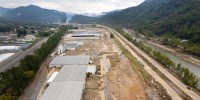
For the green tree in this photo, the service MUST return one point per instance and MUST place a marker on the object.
(111, 35)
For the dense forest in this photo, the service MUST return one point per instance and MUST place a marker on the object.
(181, 18)
(14, 81)
(32, 14)
(83, 19)
(173, 20)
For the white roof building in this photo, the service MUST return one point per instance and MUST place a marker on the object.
(86, 35)
(5, 56)
(72, 73)
(69, 60)
(66, 90)
(68, 84)
(10, 47)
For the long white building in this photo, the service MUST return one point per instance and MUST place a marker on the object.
(68, 84)
(59, 61)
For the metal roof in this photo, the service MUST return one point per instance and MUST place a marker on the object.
(95, 34)
(68, 84)
(67, 90)
(70, 60)
(72, 73)
(85, 38)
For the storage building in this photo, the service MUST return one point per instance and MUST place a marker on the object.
(59, 61)
(68, 84)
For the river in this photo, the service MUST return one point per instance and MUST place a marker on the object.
(193, 68)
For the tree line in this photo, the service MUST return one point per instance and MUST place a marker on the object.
(14, 81)
(186, 46)
(5, 28)
(184, 73)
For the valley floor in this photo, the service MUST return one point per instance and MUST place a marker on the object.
(121, 81)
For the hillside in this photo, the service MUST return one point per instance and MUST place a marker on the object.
(4, 10)
(35, 14)
(180, 18)
(83, 19)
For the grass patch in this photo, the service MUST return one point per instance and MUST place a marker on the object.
(134, 63)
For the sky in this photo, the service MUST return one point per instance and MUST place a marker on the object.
(74, 6)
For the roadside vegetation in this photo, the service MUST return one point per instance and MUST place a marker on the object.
(14, 81)
(186, 46)
(187, 77)
(134, 62)
(157, 18)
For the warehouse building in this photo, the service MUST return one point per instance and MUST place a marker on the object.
(81, 35)
(10, 47)
(59, 61)
(72, 73)
(68, 84)
(70, 46)
(70, 90)
(86, 34)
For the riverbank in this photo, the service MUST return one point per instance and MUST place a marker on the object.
(178, 53)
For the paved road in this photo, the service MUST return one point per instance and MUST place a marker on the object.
(13, 61)
(157, 78)
(178, 83)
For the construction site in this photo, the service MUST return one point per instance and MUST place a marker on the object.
(91, 66)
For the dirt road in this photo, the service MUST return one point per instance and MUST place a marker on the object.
(178, 83)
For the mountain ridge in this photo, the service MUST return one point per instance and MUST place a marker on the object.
(179, 18)
(4, 10)
(35, 14)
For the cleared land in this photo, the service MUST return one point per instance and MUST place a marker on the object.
(125, 80)
(170, 91)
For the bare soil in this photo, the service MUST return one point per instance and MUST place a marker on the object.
(124, 83)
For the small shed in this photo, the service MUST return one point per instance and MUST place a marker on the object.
(59, 61)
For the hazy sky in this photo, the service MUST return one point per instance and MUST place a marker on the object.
(75, 6)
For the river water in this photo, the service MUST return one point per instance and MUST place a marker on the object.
(193, 68)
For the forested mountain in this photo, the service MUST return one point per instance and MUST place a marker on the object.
(4, 10)
(177, 17)
(35, 14)
(180, 18)
(83, 19)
